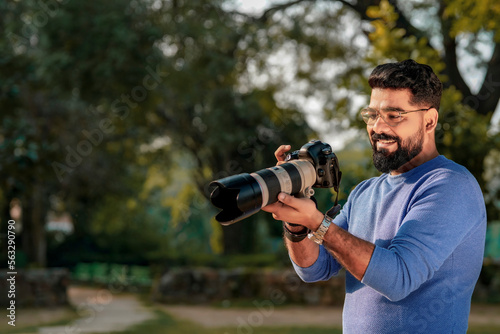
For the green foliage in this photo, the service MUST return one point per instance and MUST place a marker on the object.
(474, 16)
(60, 138)
(462, 134)
(393, 43)
(491, 176)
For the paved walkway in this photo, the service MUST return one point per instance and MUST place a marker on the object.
(101, 311)
(266, 315)
(260, 315)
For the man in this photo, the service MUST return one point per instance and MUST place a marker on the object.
(412, 239)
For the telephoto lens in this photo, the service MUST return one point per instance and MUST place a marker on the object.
(240, 196)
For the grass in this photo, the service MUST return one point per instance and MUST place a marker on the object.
(30, 320)
(33, 329)
(484, 330)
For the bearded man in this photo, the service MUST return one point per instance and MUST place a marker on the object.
(412, 239)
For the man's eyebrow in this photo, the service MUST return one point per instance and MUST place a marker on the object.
(392, 109)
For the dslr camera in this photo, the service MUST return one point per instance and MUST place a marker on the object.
(240, 196)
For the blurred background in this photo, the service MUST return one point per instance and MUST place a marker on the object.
(116, 115)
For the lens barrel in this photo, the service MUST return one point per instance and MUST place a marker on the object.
(242, 195)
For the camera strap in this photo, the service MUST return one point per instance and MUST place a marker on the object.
(334, 209)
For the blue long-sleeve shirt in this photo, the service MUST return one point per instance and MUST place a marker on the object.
(428, 226)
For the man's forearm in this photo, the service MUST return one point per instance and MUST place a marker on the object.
(303, 253)
(351, 252)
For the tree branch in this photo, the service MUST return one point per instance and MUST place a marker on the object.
(450, 56)
(489, 93)
(360, 7)
(403, 22)
(270, 11)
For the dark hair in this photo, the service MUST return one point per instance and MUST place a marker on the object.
(424, 85)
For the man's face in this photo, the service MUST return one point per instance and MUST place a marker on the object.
(394, 146)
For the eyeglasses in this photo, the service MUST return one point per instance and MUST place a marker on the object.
(392, 116)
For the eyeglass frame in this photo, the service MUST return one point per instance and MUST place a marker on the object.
(400, 111)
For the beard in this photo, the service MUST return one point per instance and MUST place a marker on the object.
(408, 149)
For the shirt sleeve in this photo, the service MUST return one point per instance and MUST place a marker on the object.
(439, 218)
(323, 269)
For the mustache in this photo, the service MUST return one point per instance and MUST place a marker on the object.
(382, 136)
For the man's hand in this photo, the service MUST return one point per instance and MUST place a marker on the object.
(301, 211)
(280, 153)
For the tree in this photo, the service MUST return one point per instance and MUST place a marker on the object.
(68, 87)
(214, 91)
(224, 127)
(335, 45)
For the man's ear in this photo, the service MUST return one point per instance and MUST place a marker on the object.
(431, 119)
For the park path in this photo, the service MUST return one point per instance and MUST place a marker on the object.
(263, 314)
(266, 315)
(100, 311)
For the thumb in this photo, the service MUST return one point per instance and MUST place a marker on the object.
(287, 199)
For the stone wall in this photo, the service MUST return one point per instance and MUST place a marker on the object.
(35, 287)
(207, 285)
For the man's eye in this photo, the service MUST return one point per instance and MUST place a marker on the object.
(392, 115)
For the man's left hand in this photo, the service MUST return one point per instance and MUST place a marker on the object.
(301, 211)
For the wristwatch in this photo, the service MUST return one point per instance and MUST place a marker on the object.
(318, 236)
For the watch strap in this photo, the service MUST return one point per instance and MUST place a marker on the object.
(319, 235)
(294, 236)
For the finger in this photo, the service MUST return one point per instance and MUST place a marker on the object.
(290, 200)
(280, 153)
(300, 211)
(272, 207)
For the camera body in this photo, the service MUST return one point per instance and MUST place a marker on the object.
(325, 163)
(239, 196)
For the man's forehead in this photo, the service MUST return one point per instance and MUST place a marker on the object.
(390, 98)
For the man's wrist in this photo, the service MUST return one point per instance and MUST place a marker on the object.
(297, 235)
(318, 235)
(295, 228)
(317, 220)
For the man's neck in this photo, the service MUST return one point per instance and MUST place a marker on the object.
(415, 162)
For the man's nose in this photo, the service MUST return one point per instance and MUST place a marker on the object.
(380, 125)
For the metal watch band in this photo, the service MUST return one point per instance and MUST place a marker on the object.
(318, 236)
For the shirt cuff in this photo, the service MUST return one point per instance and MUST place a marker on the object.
(320, 270)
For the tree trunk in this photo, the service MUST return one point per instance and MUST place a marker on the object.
(33, 234)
